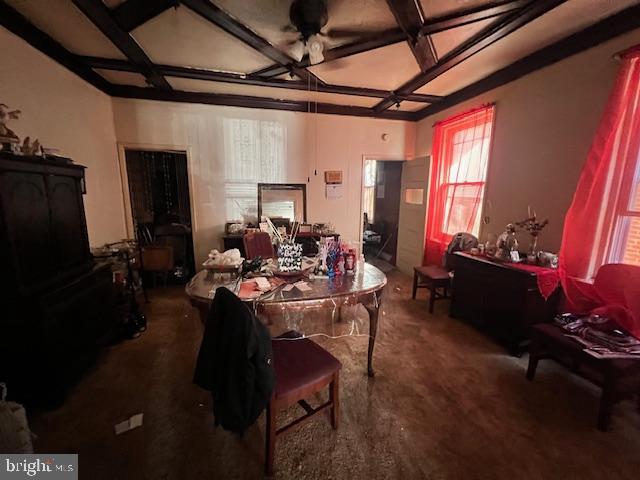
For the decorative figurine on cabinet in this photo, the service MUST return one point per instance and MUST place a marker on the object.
(508, 245)
(8, 138)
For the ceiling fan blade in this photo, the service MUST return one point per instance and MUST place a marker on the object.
(351, 33)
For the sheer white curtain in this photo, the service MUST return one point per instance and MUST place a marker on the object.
(254, 153)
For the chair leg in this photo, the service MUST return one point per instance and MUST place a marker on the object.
(334, 398)
(533, 361)
(270, 449)
(606, 403)
(432, 297)
(415, 284)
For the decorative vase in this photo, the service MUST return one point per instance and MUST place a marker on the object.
(289, 256)
(533, 247)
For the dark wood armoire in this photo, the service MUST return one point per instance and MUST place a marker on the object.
(57, 303)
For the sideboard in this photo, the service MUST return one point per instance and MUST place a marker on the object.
(500, 299)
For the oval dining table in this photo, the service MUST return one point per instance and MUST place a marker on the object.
(363, 288)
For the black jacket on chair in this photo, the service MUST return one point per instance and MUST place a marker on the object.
(235, 362)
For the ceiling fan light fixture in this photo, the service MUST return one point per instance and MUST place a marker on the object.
(315, 47)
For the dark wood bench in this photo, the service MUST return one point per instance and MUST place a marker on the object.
(436, 279)
(618, 378)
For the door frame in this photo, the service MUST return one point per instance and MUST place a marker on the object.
(124, 180)
(365, 158)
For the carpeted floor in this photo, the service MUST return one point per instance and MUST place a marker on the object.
(447, 403)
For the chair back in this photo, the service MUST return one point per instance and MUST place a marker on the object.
(258, 244)
(235, 362)
(157, 258)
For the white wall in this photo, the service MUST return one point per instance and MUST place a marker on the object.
(342, 143)
(544, 125)
(65, 112)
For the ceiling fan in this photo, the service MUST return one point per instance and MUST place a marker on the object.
(308, 18)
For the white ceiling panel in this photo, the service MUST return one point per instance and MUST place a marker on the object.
(268, 17)
(411, 106)
(182, 37)
(569, 17)
(446, 41)
(384, 68)
(122, 78)
(189, 85)
(61, 20)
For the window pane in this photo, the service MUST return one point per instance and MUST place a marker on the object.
(254, 151)
(469, 154)
(634, 201)
(370, 173)
(462, 209)
(632, 241)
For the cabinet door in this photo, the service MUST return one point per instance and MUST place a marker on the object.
(67, 222)
(26, 210)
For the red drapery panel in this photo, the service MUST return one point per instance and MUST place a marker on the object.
(592, 223)
(461, 146)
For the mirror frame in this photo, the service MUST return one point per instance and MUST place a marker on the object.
(283, 186)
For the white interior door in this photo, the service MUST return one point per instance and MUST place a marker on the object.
(413, 212)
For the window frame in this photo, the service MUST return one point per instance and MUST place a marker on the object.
(447, 134)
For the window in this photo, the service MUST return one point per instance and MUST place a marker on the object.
(254, 152)
(369, 190)
(459, 169)
(626, 236)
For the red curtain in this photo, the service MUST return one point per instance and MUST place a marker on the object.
(461, 146)
(603, 187)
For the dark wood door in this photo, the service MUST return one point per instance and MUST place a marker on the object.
(26, 209)
(68, 229)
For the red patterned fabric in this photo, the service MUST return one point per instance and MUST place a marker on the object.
(548, 278)
(590, 223)
(461, 146)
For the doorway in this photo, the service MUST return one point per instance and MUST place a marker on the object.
(160, 209)
(381, 211)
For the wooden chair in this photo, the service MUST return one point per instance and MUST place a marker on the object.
(302, 368)
(258, 244)
(436, 279)
(158, 260)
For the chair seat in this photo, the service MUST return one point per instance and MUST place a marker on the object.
(433, 272)
(299, 364)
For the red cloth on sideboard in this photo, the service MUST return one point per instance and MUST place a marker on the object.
(548, 278)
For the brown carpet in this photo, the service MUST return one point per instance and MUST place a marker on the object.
(447, 403)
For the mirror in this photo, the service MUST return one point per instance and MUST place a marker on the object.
(282, 201)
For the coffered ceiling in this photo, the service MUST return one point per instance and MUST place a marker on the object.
(400, 59)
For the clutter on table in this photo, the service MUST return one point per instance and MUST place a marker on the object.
(600, 336)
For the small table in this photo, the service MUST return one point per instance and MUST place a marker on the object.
(364, 288)
(617, 377)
